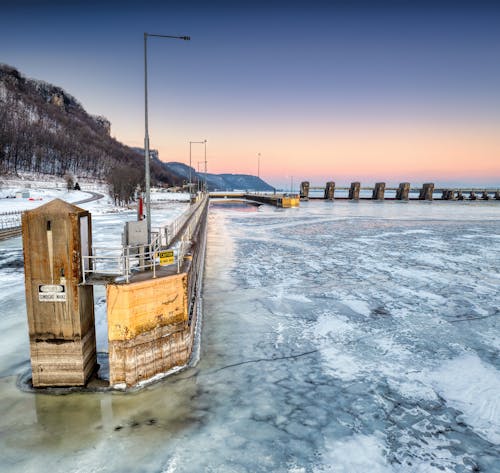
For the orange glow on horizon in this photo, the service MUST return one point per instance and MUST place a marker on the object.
(348, 152)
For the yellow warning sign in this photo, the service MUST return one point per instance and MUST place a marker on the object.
(166, 257)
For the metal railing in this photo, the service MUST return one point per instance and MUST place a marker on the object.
(10, 219)
(123, 261)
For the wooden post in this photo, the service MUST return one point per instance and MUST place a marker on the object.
(378, 191)
(60, 311)
(330, 190)
(426, 191)
(304, 190)
(354, 190)
(403, 191)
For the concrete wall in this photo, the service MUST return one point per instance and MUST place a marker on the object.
(151, 324)
(62, 334)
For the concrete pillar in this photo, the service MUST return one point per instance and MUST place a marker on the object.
(485, 196)
(304, 190)
(472, 196)
(497, 195)
(330, 190)
(448, 194)
(378, 191)
(403, 191)
(354, 190)
(60, 311)
(426, 191)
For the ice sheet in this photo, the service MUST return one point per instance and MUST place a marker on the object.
(337, 337)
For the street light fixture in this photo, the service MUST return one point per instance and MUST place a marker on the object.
(147, 175)
(190, 143)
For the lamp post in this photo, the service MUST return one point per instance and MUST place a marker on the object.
(199, 162)
(205, 165)
(258, 165)
(190, 143)
(147, 175)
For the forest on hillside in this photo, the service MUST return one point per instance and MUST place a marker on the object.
(45, 130)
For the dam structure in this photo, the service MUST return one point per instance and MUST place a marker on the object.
(153, 295)
(403, 192)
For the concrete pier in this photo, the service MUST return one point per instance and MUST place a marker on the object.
(448, 194)
(403, 191)
(426, 191)
(330, 190)
(378, 191)
(278, 200)
(304, 190)
(60, 311)
(354, 190)
(151, 323)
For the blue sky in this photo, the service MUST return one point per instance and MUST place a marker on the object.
(339, 90)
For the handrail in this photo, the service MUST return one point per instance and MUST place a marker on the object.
(124, 260)
(10, 219)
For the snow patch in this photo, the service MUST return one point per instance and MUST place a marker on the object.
(473, 387)
(356, 454)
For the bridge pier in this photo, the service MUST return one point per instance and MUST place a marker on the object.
(354, 190)
(497, 195)
(485, 196)
(472, 195)
(378, 191)
(304, 190)
(403, 192)
(426, 191)
(330, 190)
(460, 195)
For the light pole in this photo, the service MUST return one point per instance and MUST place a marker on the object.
(190, 143)
(258, 165)
(199, 162)
(147, 175)
(205, 165)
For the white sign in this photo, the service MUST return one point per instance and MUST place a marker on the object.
(52, 293)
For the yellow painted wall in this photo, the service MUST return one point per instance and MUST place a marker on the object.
(291, 202)
(139, 307)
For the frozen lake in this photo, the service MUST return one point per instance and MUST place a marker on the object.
(337, 337)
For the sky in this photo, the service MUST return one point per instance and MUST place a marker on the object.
(346, 91)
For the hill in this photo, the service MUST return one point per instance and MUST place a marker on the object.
(221, 182)
(45, 130)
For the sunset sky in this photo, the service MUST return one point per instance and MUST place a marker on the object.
(393, 90)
